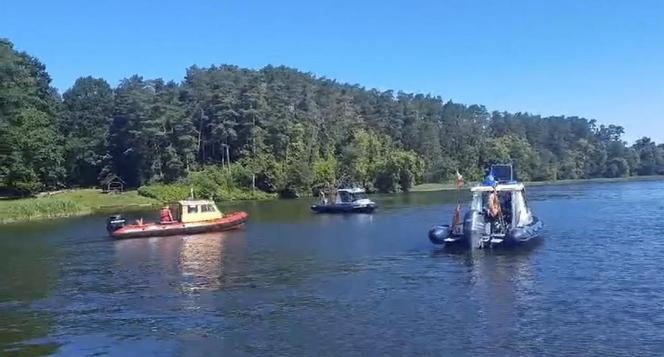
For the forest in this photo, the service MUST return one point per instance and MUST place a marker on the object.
(227, 130)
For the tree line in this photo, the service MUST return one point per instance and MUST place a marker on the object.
(280, 130)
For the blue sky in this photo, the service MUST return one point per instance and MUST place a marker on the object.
(598, 59)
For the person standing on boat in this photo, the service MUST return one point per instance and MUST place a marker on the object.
(493, 209)
(494, 204)
(165, 215)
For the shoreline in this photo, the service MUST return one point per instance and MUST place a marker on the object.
(82, 202)
(433, 187)
(81, 213)
(69, 203)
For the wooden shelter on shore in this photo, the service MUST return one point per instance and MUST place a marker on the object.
(112, 184)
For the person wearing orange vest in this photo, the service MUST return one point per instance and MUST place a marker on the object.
(494, 204)
(165, 215)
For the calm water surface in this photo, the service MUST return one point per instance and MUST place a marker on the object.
(294, 283)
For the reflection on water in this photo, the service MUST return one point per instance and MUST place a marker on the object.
(202, 261)
(500, 283)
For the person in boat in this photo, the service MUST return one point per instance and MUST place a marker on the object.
(494, 210)
(506, 207)
(334, 196)
(323, 198)
(494, 204)
(165, 216)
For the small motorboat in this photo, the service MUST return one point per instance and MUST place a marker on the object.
(188, 217)
(346, 200)
(498, 214)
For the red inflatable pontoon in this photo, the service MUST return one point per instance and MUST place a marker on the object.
(229, 221)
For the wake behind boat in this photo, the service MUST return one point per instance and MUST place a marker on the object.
(184, 217)
(345, 200)
(498, 214)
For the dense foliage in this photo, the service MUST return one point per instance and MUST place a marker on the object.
(213, 182)
(281, 130)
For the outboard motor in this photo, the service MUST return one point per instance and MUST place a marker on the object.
(115, 222)
(473, 227)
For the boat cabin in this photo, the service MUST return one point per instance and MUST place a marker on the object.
(498, 213)
(511, 196)
(348, 195)
(513, 205)
(195, 211)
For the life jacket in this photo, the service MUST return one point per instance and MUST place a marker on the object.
(494, 205)
(165, 215)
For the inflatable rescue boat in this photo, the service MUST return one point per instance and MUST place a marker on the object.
(498, 214)
(188, 217)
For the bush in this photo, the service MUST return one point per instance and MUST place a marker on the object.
(165, 193)
(214, 182)
(399, 172)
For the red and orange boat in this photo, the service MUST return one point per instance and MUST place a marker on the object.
(188, 217)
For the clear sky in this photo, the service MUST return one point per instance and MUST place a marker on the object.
(599, 59)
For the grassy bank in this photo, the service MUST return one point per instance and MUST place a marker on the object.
(68, 204)
(80, 202)
(428, 187)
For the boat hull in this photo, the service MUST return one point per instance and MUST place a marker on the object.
(228, 222)
(526, 233)
(475, 229)
(443, 234)
(344, 208)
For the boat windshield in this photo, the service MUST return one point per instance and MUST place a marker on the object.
(359, 196)
(345, 197)
(521, 210)
(477, 204)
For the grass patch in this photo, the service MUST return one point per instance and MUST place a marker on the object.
(39, 208)
(67, 204)
(97, 200)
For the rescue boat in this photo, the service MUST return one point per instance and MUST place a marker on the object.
(345, 200)
(188, 217)
(498, 215)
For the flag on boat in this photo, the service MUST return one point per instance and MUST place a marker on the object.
(459, 180)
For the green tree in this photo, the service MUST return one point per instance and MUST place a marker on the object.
(290, 131)
(31, 149)
(617, 167)
(172, 131)
(132, 140)
(88, 109)
(650, 157)
(513, 150)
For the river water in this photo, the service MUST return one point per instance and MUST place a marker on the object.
(295, 283)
